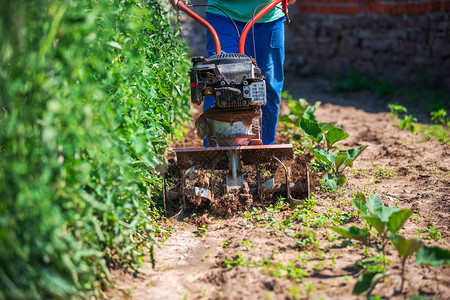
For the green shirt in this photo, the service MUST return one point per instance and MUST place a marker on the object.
(242, 11)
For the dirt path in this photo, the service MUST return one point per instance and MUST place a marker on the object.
(285, 253)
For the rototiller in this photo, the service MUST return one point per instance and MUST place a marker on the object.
(233, 124)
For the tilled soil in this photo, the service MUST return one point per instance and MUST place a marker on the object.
(265, 251)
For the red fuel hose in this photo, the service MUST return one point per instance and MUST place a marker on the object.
(251, 22)
(203, 22)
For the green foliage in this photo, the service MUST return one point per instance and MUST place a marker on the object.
(433, 256)
(355, 81)
(365, 282)
(324, 137)
(397, 110)
(388, 221)
(352, 233)
(90, 94)
(440, 117)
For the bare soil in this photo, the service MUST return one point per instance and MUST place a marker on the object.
(252, 252)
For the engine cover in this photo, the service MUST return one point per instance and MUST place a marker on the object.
(233, 79)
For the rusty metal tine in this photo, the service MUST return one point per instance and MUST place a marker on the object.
(288, 190)
(188, 171)
(258, 179)
(307, 178)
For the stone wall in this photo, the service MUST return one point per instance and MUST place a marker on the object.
(403, 48)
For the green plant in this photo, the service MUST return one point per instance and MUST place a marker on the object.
(387, 221)
(396, 110)
(201, 229)
(384, 173)
(430, 233)
(407, 123)
(325, 136)
(90, 94)
(439, 117)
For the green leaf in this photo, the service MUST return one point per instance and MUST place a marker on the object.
(352, 233)
(323, 157)
(309, 114)
(330, 182)
(339, 160)
(374, 203)
(359, 203)
(433, 256)
(335, 135)
(365, 282)
(311, 129)
(405, 248)
(375, 222)
(352, 154)
(398, 219)
(385, 214)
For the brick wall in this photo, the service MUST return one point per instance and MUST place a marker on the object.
(404, 40)
(391, 7)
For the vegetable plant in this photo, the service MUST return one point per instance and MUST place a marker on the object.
(387, 221)
(333, 161)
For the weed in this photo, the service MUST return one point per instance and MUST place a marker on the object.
(201, 229)
(397, 110)
(384, 173)
(430, 233)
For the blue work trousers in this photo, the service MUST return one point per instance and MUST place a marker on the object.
(269, 44)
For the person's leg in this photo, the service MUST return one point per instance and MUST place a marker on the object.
(269, 42)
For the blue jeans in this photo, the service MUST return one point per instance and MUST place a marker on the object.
(269, 43)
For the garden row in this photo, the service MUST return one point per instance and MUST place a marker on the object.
(90, 95)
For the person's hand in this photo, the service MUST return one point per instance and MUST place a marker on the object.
(175, 4)
(290, 2)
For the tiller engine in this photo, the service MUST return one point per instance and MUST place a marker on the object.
(232, 125)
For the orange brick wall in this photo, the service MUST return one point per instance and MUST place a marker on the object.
(390, 7)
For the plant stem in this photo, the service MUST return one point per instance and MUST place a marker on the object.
(403, 273)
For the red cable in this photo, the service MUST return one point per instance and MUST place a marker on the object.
(208, 26)
(249, 24)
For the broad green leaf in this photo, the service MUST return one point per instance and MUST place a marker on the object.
(374, 203)
(375, 222)
(398, 219)
(433, 256)
(311, 129)
(352, 154)
(385, 213)
(323, 157)
(335, 135)
(352, 233)
(339, 160)
(330, 182)
(359, 202)
(327, 126)
(365, 282)
(405, 248)
(309, 114)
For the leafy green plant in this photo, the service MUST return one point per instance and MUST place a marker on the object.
(90, 94)
(430, 233)
(440, 117)
(324, 137)
(201, 229)
(407, 123)
(387, 221)
(397, 110)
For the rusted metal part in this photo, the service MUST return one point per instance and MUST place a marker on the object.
(250, 155)
(307, 179)
(288, 190)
